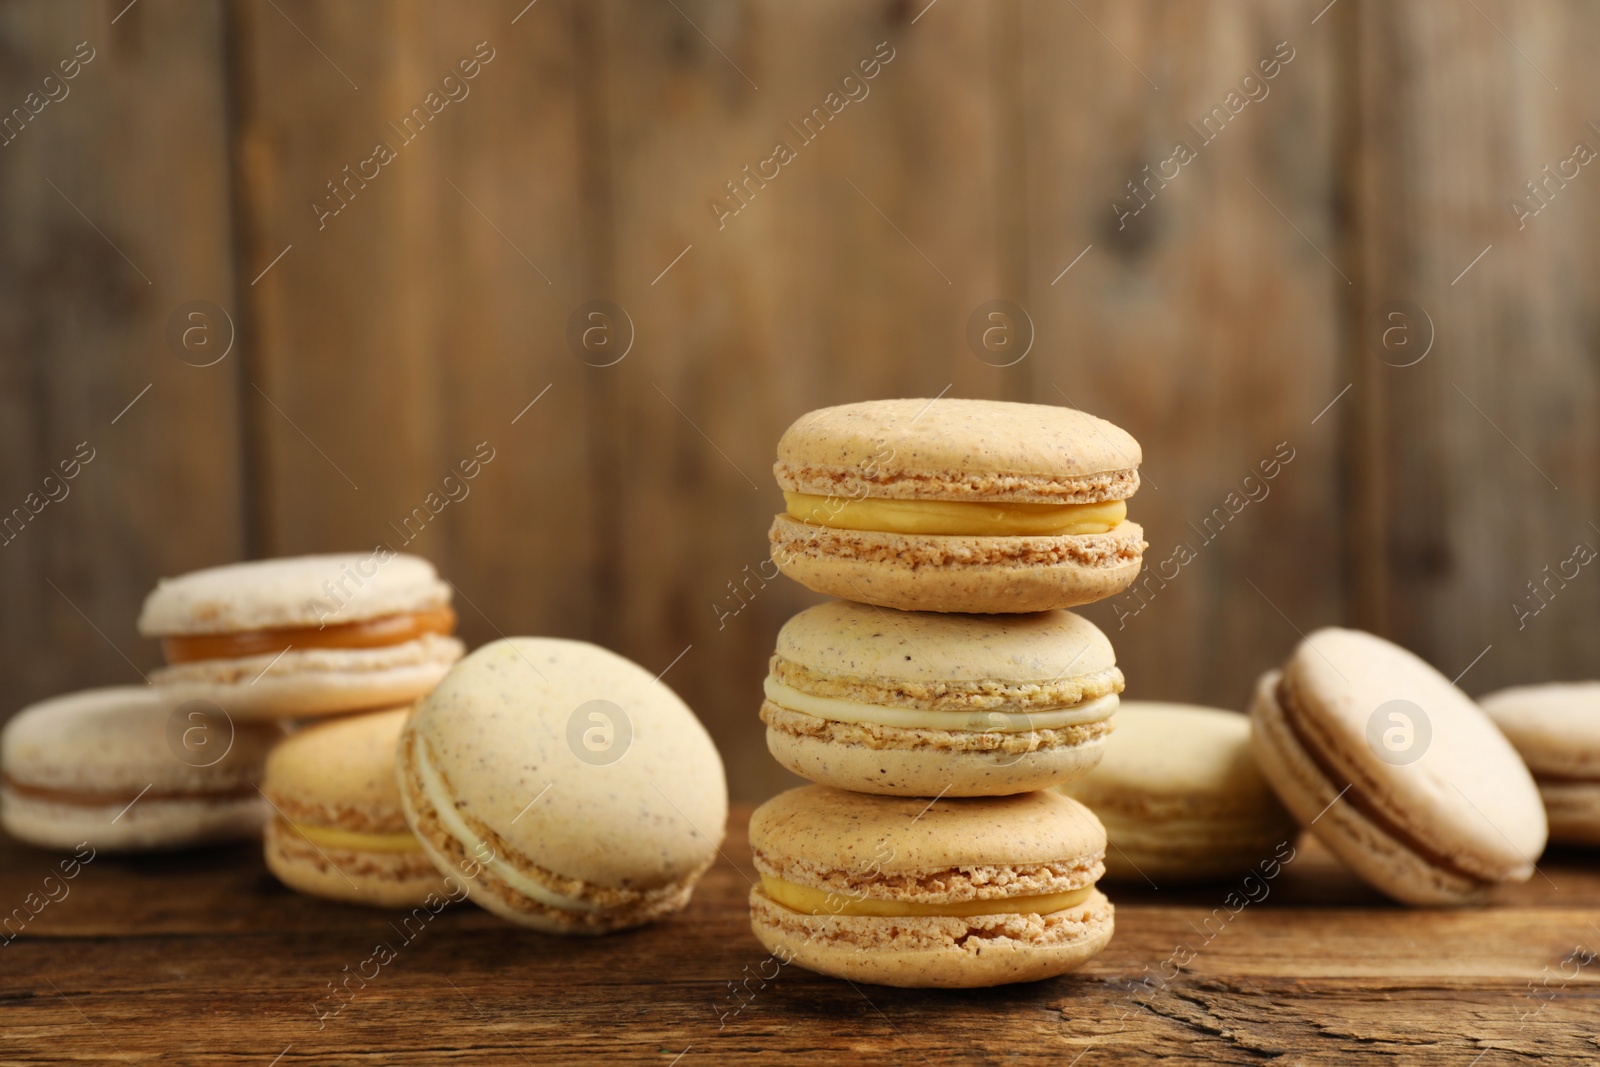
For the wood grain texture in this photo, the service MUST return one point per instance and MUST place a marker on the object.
(204, 958)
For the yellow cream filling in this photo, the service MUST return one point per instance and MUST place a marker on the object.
(971, 518)
(811, 901)
(334, 837)
(976, 721)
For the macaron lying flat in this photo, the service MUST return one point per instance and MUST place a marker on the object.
(569, 789)
(1181, 796)
(955, 894)
(957, 505)
(304, 636)
(126, 769)
(928, 704)
(1556, 729)
(337, 829)
(1396, 770)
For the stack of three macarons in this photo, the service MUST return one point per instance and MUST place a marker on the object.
(939, 702)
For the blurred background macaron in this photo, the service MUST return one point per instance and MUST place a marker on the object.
(304, 636)
(929, 704)
(1556, 728)
(126, 768)
(1396, 770)
(337, 829)
(952, 893)
(957, 505)
(1181, 796)
(567, 787)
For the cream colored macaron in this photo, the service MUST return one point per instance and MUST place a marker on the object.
(304, 636)
(948, 893)
(1396, 770)
(929, 704)
(1181, 797)
(570, 789)
(957, 505)
(1556, 728)
(337, 829)
(126, 768)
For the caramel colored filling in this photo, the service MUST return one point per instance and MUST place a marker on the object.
(968, 518)
(102, 798)
(809, 900)
(369, 633)
(335, 837)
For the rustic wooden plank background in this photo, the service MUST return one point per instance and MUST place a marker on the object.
(419, 321)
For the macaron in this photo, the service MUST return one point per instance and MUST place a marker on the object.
(957, 505)
(1396, 770)
(570, 789)
(1556, 729)
(127, 769)
(929, 704)
(1181, 796)
(304, 636)
(337, 829)
(948, 893)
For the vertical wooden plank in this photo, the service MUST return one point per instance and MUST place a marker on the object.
(117, 190)
(1477, 466)
(419, 310)
(1202, 316)
(848, 272)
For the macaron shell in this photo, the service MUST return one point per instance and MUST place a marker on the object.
(292, 592)
(145, 825)
(953, 448)
(935, 951)
(1555, 727)
(1468, 795)
(341, 773)
(1574, 811)
(1377, 857)
(306, 683)
(376, 879)
(971, 575)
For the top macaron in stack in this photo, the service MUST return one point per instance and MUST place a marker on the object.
(954, 532)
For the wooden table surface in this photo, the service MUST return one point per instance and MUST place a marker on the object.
(203, 958)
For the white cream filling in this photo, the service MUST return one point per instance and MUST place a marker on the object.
(975, 721)
(433, 788)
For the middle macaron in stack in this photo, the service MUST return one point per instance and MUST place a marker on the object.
(955, 531)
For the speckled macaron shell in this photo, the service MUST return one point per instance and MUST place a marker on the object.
(1181, 796)
(341, 774)
(961, 664)
(1437, 827)
(575, 792)
(908, 849)
(127, 769)
(1556, 729)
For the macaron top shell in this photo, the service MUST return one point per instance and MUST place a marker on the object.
(1467, 796)
(830, 830)
(1166, 757)
(578, 759)
(295, 592)
(958, 449)
(933, 659)
(341, 773)
(1556, 727)
(127, 738)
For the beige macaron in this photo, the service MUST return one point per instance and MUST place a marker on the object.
(1396, 770)
(1181, 796)
(570, 789)
(126, 768)
(337, 829)
(957, 505)
(929, 704)
(948, 893)
(304, 636)
(1556, 728)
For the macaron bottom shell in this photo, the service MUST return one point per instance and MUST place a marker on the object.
(1574, 811)
(354, 876)
(144, 825)
(1190, 850)
(946, 952)
(889, 761)
(948, 573)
